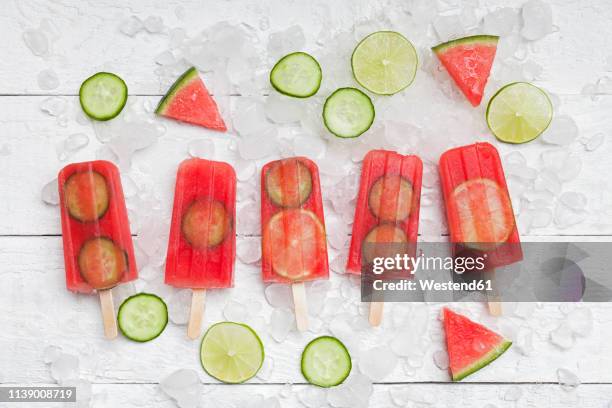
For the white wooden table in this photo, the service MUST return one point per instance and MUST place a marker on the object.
(38, 312)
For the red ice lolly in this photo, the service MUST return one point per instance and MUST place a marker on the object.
(387, 209)
(478, 208)
(98, 249)
(202, 242)
(294, 247)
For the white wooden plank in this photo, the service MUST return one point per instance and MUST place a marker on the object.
(38, 311)
(383, 395)
(89, 38)
(32, 135)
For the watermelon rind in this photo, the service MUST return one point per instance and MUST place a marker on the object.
(183, 80)
(484, 361)
(473, 39)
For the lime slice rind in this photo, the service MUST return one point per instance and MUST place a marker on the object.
(231, 352)
(519, 112)
(384, 62)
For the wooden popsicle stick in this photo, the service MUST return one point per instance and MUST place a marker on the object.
(376, 313)
(196, 313)
(300, 306)
(108, 313)
(493, 299)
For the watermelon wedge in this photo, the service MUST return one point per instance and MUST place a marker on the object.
(471, 346)
(468, 60)
(188, 100)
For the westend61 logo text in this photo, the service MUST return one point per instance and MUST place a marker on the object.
(414, 264)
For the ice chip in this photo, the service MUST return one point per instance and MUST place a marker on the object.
(179, 307)
(203, 148)
(573, 200)
(248, 250)
(440, 358)
(448, 27)
(154, 24)
(313, 397)
(604, 85)
(513, 393)
(501, 21)
(50, 193)
(524, 341)
(283, 42)
(184, 387)
(71, 145)
(531, 70)
(594, 142)
(37, 41)
(235, 311)
(567, 379)
(377, 363)
(537, 20)
(258, 146)
(54, 105)
(131, 26)
(309, 145)
(65, 368)
(249, 116)
(283, 109)
(47, 79)
(562, 131)
(355, 392)
(562, 337)
(580, 321)
(565, 216)
(281, 323)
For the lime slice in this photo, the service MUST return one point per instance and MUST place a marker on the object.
(326, 362)
(231, 352)
(384, 62)
(519, 112)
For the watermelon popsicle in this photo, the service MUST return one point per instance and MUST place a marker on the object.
(294, 248)
(478, 208)
(387, 211)
(98, 249)
(202, 242)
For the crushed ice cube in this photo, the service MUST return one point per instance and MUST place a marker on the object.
(154, 24)
(565, 216)
(71, 145)
(235, 311)
(165, 58)
(258, 146)
(448, 27)
(179, 306)
(248, 250)
(47, 79)
(377, 363)
(338, 265)
(249, 116)
(37, 41)
(337, 232)
(65, 368)
(131, 26)
(440, 358)
(54, 105)
(548, 180)
(531, 70)
(594, 142)
(309, 145)
(524, 341)
(184, 387)
(129, 136)
(573, 200)
(282, 322)
(283, 109)
(313, 397)
(317, 293)
(604, 85)
(51, 353)
(580, 321)
(562, 336)
(203, 148)
(567, 379)
(513, 393)
(409, 397)
(501, 21)
(355, 392)
(562, 131)
(537, 20)
(50, 193)
(246, 223)
(283, 42)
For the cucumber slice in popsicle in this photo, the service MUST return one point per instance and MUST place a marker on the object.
(348, 112)
(86, 195)
(142, 317)
(102, 263)
(326, 362)
(206, 223)
(390, 198)
(103, 96)
(289, 183)
(297, 74)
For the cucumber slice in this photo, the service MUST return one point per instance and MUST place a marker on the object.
(231, 352)
(206, 223)
(142, 317)
(102, 263)
(297, 74)
(391, 239)
(348, 112)
(103, 96)
(86, 195)
(289, 183)
(326, 362)
(390, 198)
